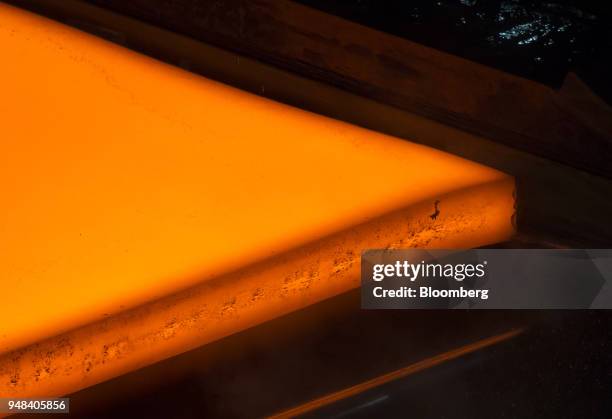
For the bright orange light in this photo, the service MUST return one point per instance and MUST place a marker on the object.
(147, 210)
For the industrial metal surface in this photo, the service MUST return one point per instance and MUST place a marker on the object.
(149, 210)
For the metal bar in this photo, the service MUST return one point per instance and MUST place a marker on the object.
(149, 210)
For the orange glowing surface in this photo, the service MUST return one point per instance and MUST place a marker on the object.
(125, 180)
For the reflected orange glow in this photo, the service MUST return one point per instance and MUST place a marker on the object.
(397, 374)
(147, 210)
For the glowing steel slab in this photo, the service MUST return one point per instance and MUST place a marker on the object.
(146, 210)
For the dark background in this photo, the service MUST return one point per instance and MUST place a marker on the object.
(539, 40)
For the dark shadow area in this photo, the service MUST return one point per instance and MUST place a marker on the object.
(534, 39)
(561, 368)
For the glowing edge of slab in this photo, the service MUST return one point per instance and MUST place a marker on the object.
(152, 332)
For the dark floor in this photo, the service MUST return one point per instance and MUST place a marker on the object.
(563, 370)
